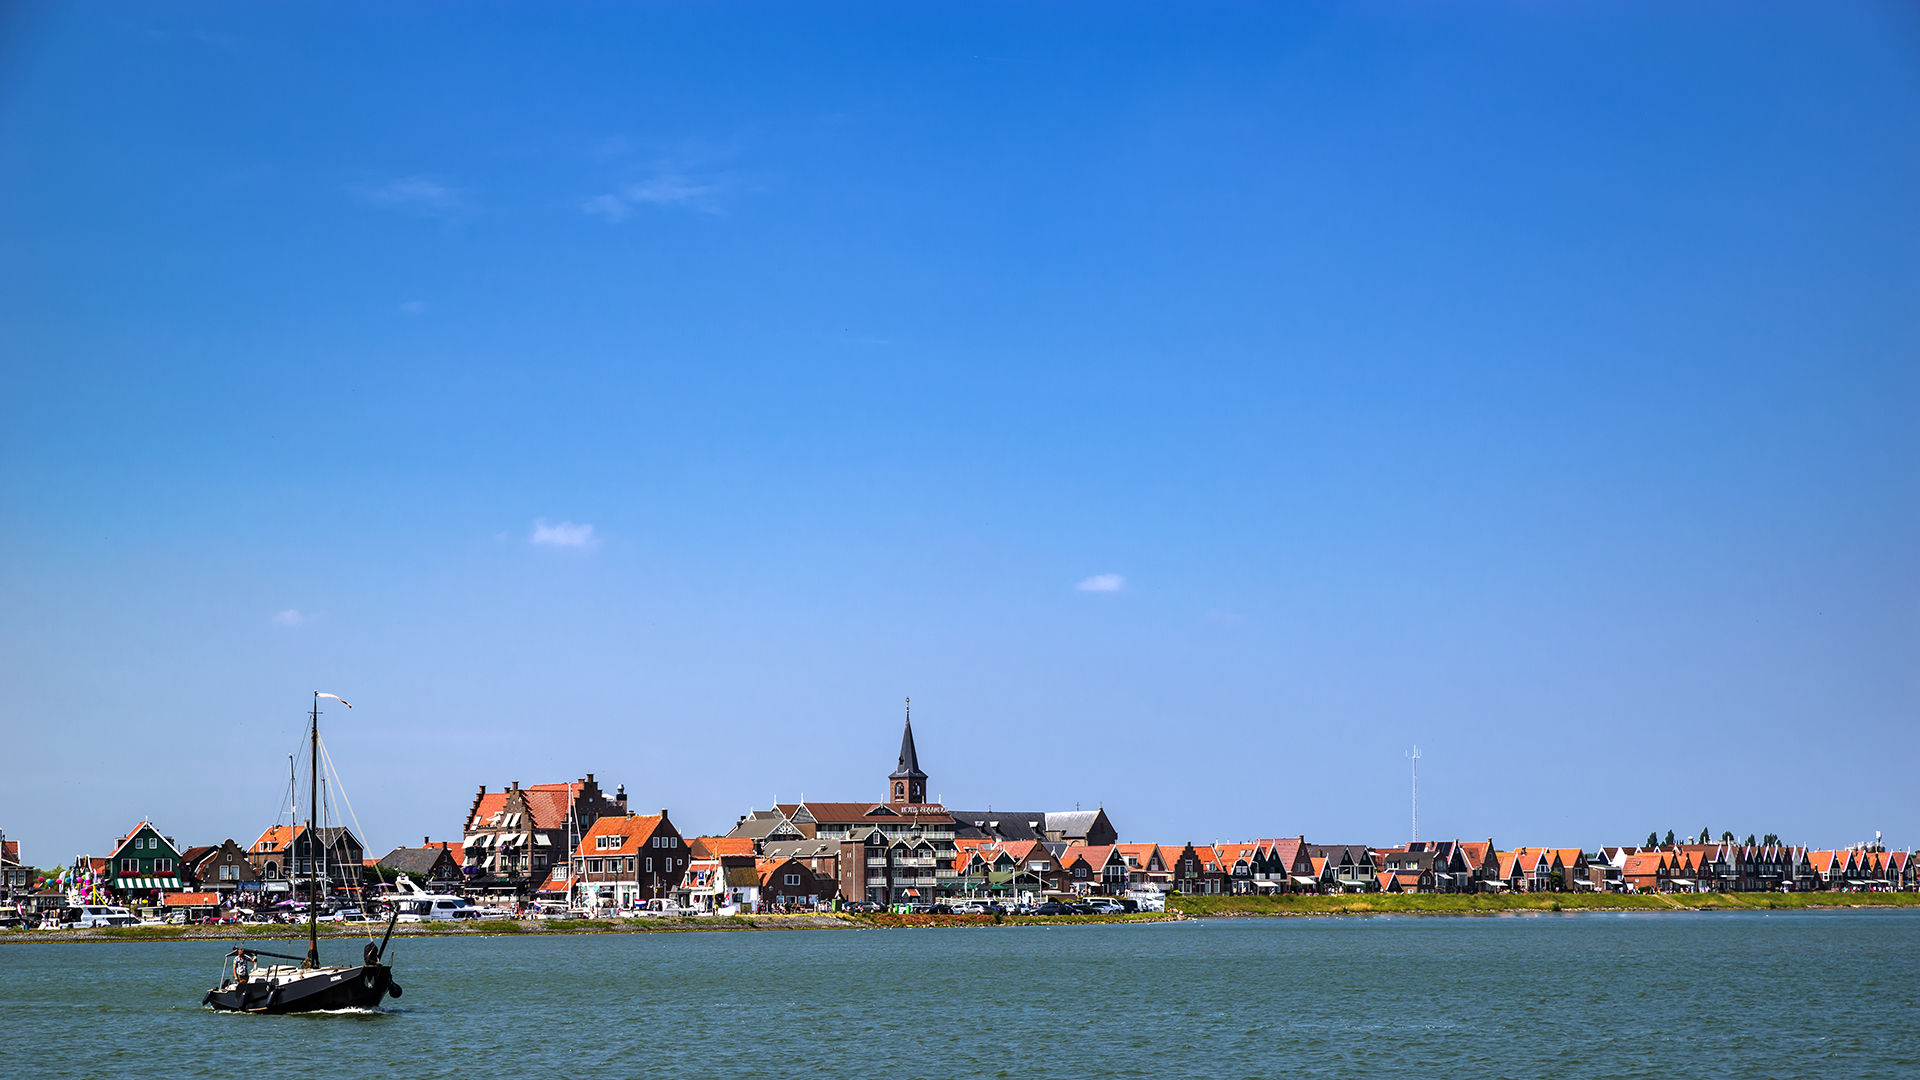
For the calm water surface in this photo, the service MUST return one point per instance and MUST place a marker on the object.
(1824, 994)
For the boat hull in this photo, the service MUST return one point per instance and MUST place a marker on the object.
(328, 988)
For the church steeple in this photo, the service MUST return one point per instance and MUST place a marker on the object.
(907, 785)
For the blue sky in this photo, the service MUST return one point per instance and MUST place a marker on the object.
(668, 392)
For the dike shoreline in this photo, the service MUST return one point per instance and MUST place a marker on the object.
(1481, 904)
(560, 928)
(1179, 910)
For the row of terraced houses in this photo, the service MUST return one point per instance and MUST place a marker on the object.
(572, 844)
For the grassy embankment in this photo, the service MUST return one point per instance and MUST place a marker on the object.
(292, 935)
(1487, 904)
(889, 921)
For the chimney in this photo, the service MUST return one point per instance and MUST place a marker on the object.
(426, 841)
(663, 813)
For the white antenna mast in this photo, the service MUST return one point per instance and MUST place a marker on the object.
(1415, 758)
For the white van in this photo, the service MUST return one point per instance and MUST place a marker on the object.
(91, 915)
(434, 907)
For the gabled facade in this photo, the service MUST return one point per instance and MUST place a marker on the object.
(1095, 871)
(15, 876)
(1348, 867)
(441, 862)
(1647, 871)
(144, 865)
(624, 861)
(290, 855)
(1196, 871)
(1021, 868)
(513, 838)
(221, 868)
(1146, 867)
(789, 884)
(1282, 865)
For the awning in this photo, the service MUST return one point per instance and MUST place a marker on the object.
(540, 840)
(147, 883)
(1302, 879)
(913, 892)
(1680, 881)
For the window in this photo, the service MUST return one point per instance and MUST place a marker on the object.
(793, 879)
(163, 866)
(129, 866)
(593, 866)
(629, 866)
(539, 862)
(649, 866)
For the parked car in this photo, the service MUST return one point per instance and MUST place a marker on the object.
(435, 907)
(100, 915)
(1053, 907)
(1103, 906)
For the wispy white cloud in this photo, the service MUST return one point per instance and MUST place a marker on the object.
(565, 534)
(293, 617)
(1103, 583)
(417, 193)
(672, 186)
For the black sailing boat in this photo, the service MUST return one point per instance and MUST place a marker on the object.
(307, 986)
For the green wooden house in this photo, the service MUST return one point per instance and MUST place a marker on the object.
(143, 865)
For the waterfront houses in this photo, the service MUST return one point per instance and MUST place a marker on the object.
(220, 868)
(512, 838)
(287, 856)
(15, 876)
(1196, 871)
(439, 863)
(144, 865)
(788, 883)
(624, 861)
(1097, 869)
(570, 843)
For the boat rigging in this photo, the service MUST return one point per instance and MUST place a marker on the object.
(307, 986)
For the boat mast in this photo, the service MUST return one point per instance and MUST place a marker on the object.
(313, 884)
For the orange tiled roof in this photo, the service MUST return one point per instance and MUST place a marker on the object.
(634, 830)
(713, 847)
(546, 803)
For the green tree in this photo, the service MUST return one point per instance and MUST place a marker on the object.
(1706, 835)
(1669, 837)
(1653, 839)
(1749, 839)
(1726, 837)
